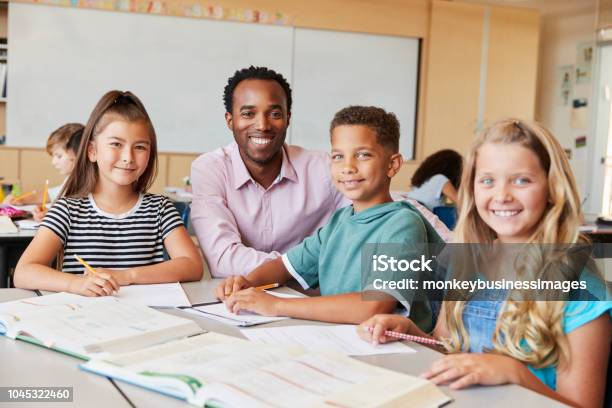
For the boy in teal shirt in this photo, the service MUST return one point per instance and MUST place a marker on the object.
(365, 156)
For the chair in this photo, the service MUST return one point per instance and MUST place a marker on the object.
(447, 214)
(184, 210)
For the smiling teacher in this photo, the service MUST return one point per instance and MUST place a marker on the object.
(257, 197)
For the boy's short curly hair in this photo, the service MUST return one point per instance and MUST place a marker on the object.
(254, 73)
(383, 123)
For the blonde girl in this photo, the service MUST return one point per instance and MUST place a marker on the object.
(517, 188)
(106, 215)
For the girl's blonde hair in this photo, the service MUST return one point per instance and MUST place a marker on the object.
(530, 331)
(114, 105)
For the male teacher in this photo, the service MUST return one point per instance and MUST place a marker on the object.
(257, 197)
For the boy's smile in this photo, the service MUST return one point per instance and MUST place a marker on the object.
(361, 167)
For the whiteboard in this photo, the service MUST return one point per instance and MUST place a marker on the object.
(335, 69)
(63, 59)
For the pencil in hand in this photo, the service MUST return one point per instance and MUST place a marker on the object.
(89, 268)
(23, 196)
(86, 265)
(403, 336)
(43, 207)
(268, 286)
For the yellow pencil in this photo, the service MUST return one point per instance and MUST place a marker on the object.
(268, 286)
(21, 197)
(262, 287)
(86, 265)
(45, 193)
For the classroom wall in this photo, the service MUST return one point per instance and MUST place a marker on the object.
(31, 167)
(450, 69)
(561, 30)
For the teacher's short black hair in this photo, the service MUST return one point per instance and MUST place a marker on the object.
(254, 73)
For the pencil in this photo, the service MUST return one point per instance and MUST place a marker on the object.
(21, 197)
(86, 265)
(45, 193)
(262, 287)
(268, 286)
(410, 337)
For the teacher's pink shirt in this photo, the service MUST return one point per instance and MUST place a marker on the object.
(240, 224)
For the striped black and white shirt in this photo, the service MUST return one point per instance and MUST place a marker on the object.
(114, 241)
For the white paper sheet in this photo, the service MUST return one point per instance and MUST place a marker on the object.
(7, 226)
(156, 295)
(220, 313)
(27, 224)
(340, 339)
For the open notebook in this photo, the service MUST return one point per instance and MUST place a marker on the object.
(87, 327)
(216, 370)
(218, 311)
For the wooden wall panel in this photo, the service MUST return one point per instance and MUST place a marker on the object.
(179, 166)
(512, 63)
(35, 168)
(3, 19)
(162, 174)
(9, 164)
(2, 118)
(451, 106)
(401, 181)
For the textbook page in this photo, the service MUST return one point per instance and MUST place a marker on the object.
(232, 372)
(180, 368)
(91, 326)
(155, 295)
(341, 339)
(322, 380)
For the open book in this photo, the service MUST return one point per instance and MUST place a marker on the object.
(216, 370)
(87, 327)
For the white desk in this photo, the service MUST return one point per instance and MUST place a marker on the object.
(51, 368)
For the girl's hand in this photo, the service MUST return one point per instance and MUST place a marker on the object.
(231, 285)
(253, 300)
(381, 323)
(123, 277)
(38, 214)
(466, 369)
(100, 284)
(10, 200)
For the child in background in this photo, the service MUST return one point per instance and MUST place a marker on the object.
(365, 156)
(105, 215)
(437, 179)
(518, 187)
(62, 146)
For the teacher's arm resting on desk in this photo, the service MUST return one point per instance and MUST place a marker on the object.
(216, 227)
(33, 270)
(240, 293)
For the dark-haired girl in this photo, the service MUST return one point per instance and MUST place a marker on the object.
(437, 179)
(105, 215)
